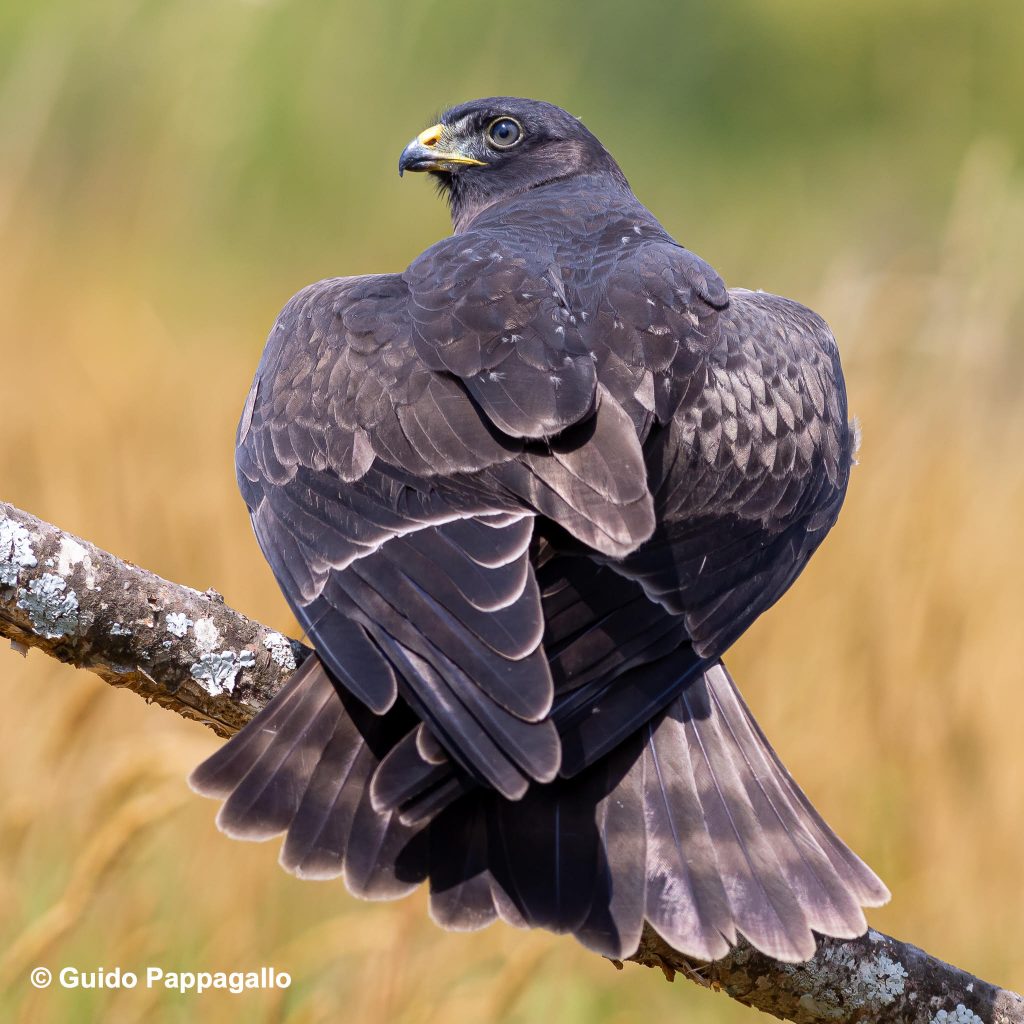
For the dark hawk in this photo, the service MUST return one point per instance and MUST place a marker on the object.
(521, 497)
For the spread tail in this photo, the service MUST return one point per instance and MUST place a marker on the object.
(693, 824)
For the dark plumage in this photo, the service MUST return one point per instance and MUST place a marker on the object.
(522, 497)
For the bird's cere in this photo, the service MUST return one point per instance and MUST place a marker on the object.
(430, 136)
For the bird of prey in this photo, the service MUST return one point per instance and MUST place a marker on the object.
(521, 497)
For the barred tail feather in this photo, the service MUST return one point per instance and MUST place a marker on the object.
(692, 825)
(303, 766)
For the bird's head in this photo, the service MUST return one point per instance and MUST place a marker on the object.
(488, 150)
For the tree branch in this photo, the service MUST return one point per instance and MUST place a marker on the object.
(192, 654)
(186, 651)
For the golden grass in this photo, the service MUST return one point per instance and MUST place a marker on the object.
(889, 678)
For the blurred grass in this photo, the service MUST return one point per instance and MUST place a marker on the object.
(170, 173)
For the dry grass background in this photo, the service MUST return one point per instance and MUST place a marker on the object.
(142, 261)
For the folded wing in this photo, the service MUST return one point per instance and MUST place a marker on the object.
(393, 491)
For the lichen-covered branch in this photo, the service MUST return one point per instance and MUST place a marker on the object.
(184, 650)
(191, 653)
(874, 979)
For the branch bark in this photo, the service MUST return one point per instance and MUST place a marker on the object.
(185, 650)
(191, 653)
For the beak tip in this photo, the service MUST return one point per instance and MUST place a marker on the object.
(408, 158)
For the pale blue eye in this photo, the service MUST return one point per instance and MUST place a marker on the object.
(504, 133)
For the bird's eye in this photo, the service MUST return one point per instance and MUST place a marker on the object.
(504, 133)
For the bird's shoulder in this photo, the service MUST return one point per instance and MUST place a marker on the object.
(361, 384)
(494, 310)
(649, 309)
(366, 313)
(774, 398)
(333, 367)
(751, 472)
(343, 419)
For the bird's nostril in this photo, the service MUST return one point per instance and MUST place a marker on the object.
(430, 137)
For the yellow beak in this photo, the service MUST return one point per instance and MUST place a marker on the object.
(424, 153)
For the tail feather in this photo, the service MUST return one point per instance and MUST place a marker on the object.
(264, 800)
(303, 766)
(692, 825)
(750, 863)
(686, 903)
(617, 911)
(421, 809)
(220, 773)
(863, 885)
(544, 854)
(461, 883)
(318, 835)
(384, 858)
(595, 716)
(831, 897)
(405, 774)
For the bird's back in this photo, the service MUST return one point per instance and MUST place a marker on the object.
(738, 398)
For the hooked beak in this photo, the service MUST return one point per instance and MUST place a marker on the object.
(425, 153)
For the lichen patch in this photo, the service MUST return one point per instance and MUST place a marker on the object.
(281, 652)
(961, 1015)
(217, 672)
(177, 624)
(207, 635)
(72, 553)
(15, 551)
(874, 981)
(51, 606)
(871, 982)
